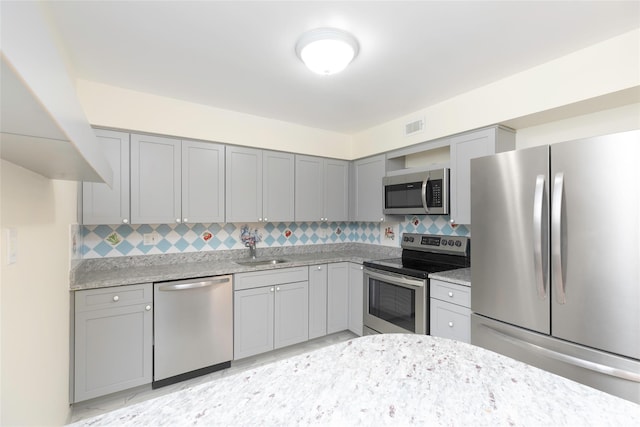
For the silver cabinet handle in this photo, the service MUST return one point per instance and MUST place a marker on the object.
(194, 285)
(451, 294)
(125, 221)
(185, 220)
(116, 298)
(272, 289)
(451, 324)
(556, 237)
(278, 288)
(178, 220)
(538, 210)
(148, 308)
(319, 267)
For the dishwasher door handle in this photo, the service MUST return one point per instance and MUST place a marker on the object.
(193, 285)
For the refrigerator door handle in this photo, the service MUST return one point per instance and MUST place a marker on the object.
(537, 236)
(556, 237)
(572, 360)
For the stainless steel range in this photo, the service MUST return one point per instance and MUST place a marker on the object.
(397, 290)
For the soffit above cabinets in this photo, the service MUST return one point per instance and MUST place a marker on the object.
(42, 126)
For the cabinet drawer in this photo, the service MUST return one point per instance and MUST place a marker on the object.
(118, 296)
(256, 279)
(450, 321)
(451, 292)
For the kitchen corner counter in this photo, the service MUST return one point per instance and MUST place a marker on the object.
(105, 272)
(461, 276)
(393, 379)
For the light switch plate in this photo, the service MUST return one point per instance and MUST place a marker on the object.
(151, 239)
(12, 245)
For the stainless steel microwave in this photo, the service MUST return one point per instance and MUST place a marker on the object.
(421, 193)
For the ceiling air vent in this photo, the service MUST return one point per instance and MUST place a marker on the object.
(414, 127)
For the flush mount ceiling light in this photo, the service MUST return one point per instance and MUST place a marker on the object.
(327, 50)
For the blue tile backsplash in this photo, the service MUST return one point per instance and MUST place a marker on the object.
(100, 241)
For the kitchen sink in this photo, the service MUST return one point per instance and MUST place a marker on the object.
(251, 262)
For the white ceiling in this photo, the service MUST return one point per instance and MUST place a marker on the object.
(239, 55)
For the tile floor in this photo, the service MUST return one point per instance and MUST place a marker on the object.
(114, 401)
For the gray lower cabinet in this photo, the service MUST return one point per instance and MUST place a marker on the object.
(356, 298)
(112, 340)
(450, 313)
(270, 310)
(337, 297)
(317, 301)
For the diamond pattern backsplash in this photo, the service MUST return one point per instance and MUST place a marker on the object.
(100, 241)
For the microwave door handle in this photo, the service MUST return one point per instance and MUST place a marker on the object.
(424, 193)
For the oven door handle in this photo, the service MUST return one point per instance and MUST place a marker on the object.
(396, 279)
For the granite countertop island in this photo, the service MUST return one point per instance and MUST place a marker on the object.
(393, 379)
(129, 270)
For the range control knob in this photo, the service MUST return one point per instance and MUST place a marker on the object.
(450, 242)
(444, 242)
(458, 243)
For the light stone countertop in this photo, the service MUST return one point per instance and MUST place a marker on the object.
(118, 271)
(393, 379)
(460, 276)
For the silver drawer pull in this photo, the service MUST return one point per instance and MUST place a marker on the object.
(116, 298)
(451, 324)
(148, 308)
(451, 294)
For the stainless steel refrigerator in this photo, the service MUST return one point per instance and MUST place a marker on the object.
(555, 272)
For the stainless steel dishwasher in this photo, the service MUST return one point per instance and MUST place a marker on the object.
(192, 328)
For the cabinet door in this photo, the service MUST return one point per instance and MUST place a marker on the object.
(100, 203)
(463, 149)
(356, 298)
(202, 182)
(309, 188)
(317, 301)
(291, 317)
(113, 350)
(253, 321)
(368, 176)
(243, 193)
(277, 186)
(450, 321)
(336, 190)
(155, 180)
(337, 297)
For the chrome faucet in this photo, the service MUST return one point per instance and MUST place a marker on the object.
(252, 249)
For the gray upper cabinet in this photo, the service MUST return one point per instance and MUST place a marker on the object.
(176, 181)
(155, 180)
(100, 203)
(367, 183)
(259, 185)
(336, 190)
(277, 186)
(202, 182)
(469, 146)
(322, 189)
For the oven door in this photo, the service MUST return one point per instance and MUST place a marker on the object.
(395, 303)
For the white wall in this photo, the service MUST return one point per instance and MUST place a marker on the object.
(34, 297)
(604, 68)
(601, 123)
(115, 107)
